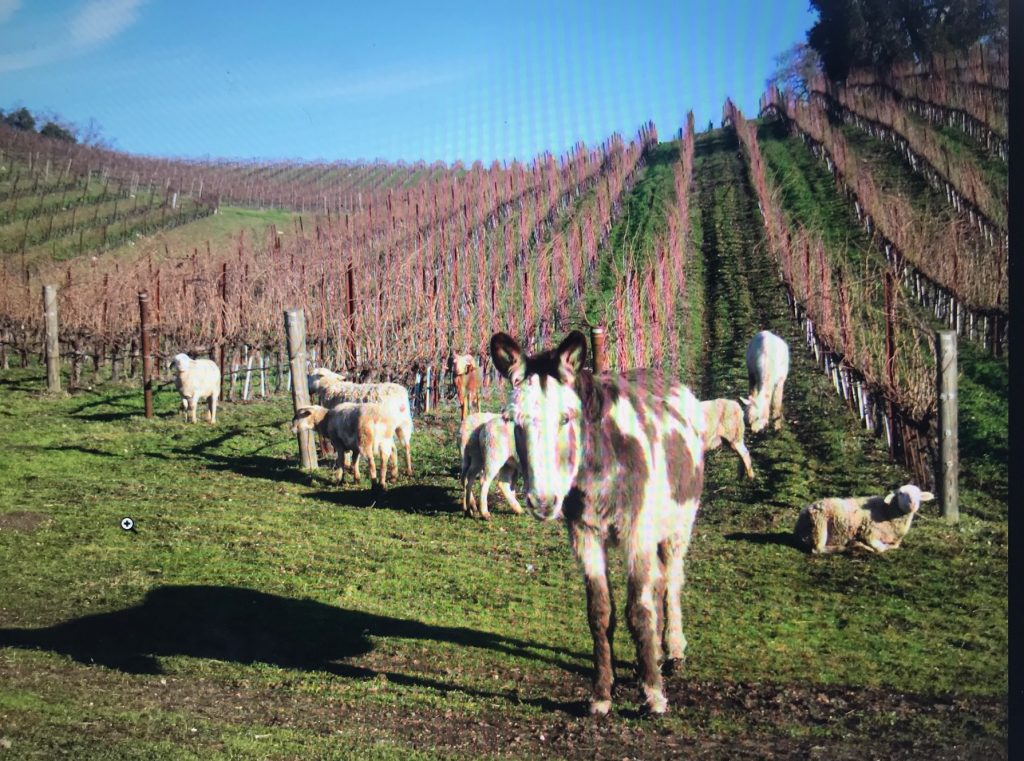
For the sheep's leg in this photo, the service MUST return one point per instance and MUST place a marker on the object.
(386, 451)
(600, 613)
(485, 487)
(212, 404)
(641, 608)
(776, 411)
(355, 466)
(505, 476)
(467, 491)
(673, 554)
(393, 457)
(740, 448)
(193, 403)
(403, 439)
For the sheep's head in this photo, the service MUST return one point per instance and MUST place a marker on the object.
(180, 362)
(909, 498)
(305, 419)
(757, 412)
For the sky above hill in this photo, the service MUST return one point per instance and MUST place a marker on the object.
(393, 80)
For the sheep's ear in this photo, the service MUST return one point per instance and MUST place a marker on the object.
(506, 415)
(927, 496)
(508, 357)
(888, 497)
(745, 401)
(572, 354)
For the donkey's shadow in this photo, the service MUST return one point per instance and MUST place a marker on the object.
(246, 626)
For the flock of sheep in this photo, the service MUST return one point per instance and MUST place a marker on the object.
(366, 419)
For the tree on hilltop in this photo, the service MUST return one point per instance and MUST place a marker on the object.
(877, 33)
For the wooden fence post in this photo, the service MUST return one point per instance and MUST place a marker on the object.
(597, 342)
(52, 341)
(947, 477)
(295, 329)
(147, 352)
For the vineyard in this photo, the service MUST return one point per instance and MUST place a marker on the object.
(854, 223)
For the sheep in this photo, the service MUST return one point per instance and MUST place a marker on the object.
(874, 523)
(767, 368)
(723, 420)
(487, 449)
(365, 429)
(330, 389)
(468, 380)
(196, 379)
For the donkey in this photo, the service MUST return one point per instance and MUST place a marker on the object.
(620, 457)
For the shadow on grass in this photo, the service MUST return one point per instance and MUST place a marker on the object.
(246, 626)
(784, 538)
(420, 499)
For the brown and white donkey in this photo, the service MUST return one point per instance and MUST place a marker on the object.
(620, 457)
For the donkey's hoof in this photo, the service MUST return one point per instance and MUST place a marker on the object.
(655, 702)
(600, 707)
(672, 666)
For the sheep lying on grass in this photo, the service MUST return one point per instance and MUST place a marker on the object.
(364, 429)
(196, 379)
(723, 420)
(330, 390)
(487, 450)
(875, 524)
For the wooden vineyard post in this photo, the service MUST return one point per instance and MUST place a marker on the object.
(948, 472)
(52, 340)
(295, 330)
(597, 339)
(147, 352)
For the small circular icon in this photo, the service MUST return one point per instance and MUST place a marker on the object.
(127, 524)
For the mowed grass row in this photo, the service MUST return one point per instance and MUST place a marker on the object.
(261, 612)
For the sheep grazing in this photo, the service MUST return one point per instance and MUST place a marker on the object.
(468, 380)
(723, 420)
(875, 524)
(330, 390)
(365, 429)
(767, 368)
(196, 379)
(487, 450)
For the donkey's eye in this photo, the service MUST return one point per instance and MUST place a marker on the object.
(566, 417)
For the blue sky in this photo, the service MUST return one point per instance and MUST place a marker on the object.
(393, 80)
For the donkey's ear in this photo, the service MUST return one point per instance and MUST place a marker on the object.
(572, 354)
(507, 356)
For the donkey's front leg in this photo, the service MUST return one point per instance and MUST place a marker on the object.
(600, 614)
(646, 590)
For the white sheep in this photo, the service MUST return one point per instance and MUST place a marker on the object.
(196, 379)
(723, 420)
(874, 523)
(487, 449)
(330, 390)
(365, 429)
(767, 369)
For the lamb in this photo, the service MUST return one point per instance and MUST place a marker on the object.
(487, 448)
(875, 523)
(723, 420)
(196, 379)
(330, 390)
(468, 380)
(365, 429)
(767, 368)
